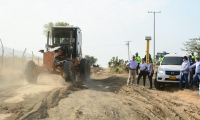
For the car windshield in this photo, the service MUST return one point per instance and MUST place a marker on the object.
(172, 61)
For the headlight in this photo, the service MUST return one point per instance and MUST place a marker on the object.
(160, 71)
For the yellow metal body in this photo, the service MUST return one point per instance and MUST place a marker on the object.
(147, 51)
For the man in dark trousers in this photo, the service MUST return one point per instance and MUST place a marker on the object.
(184, 73)
(143, 72)
(197, 71)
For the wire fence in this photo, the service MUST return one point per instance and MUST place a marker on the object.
(13, 61)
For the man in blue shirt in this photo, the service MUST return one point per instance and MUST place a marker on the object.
(197, 71)
(184, 73)
(132, 65)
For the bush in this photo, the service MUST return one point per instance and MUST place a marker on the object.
(117, 65)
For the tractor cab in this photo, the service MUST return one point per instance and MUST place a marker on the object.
(67, 38)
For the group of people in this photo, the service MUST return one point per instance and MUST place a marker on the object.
(145, 70)
(185, 67)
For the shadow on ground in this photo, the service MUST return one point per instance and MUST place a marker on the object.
(108, 84)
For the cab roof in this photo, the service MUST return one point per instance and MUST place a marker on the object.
(65, 27)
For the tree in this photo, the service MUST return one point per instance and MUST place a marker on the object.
(47, 27)
(117, 65)
(61, 24)
(192, 46)
(91, 59)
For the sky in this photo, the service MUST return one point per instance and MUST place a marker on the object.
(105, 25)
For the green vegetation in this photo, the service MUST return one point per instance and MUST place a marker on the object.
(117, 65)
(91, 59)
(47, 27)
(192, 46)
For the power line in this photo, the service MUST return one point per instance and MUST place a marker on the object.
(154, 33)
(128, 48)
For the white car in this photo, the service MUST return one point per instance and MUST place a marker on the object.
(169, 70)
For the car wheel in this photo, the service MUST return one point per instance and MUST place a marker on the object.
(158, 85)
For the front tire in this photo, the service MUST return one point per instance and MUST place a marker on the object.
(31, 72)
(69, 73)
(158, 85)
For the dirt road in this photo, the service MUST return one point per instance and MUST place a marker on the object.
(105, 96)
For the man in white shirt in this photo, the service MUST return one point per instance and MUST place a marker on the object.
(197, 72)
(184, 73)
(143, 72)
(132, 65)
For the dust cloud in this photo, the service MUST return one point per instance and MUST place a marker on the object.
(15, 90)
(15, 79)
(9, 77)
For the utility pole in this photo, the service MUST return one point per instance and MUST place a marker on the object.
(128, 48)
(154, 37)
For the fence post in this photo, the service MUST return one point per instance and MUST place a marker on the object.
(23, 57)
(2, 54)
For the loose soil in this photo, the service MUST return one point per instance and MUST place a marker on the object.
(104, 96)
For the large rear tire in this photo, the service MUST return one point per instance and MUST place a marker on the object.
(69, 73)
(85, 69)
(31, 72)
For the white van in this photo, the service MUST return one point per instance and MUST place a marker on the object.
(169, 70)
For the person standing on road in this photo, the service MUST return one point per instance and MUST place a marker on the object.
(150, 73)
(197, 72)
(160, 58)
(193, 56)
(184, 73)
(149, 58)
(138, 59)
(192, 71)
(132, 65)
(143, 72)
